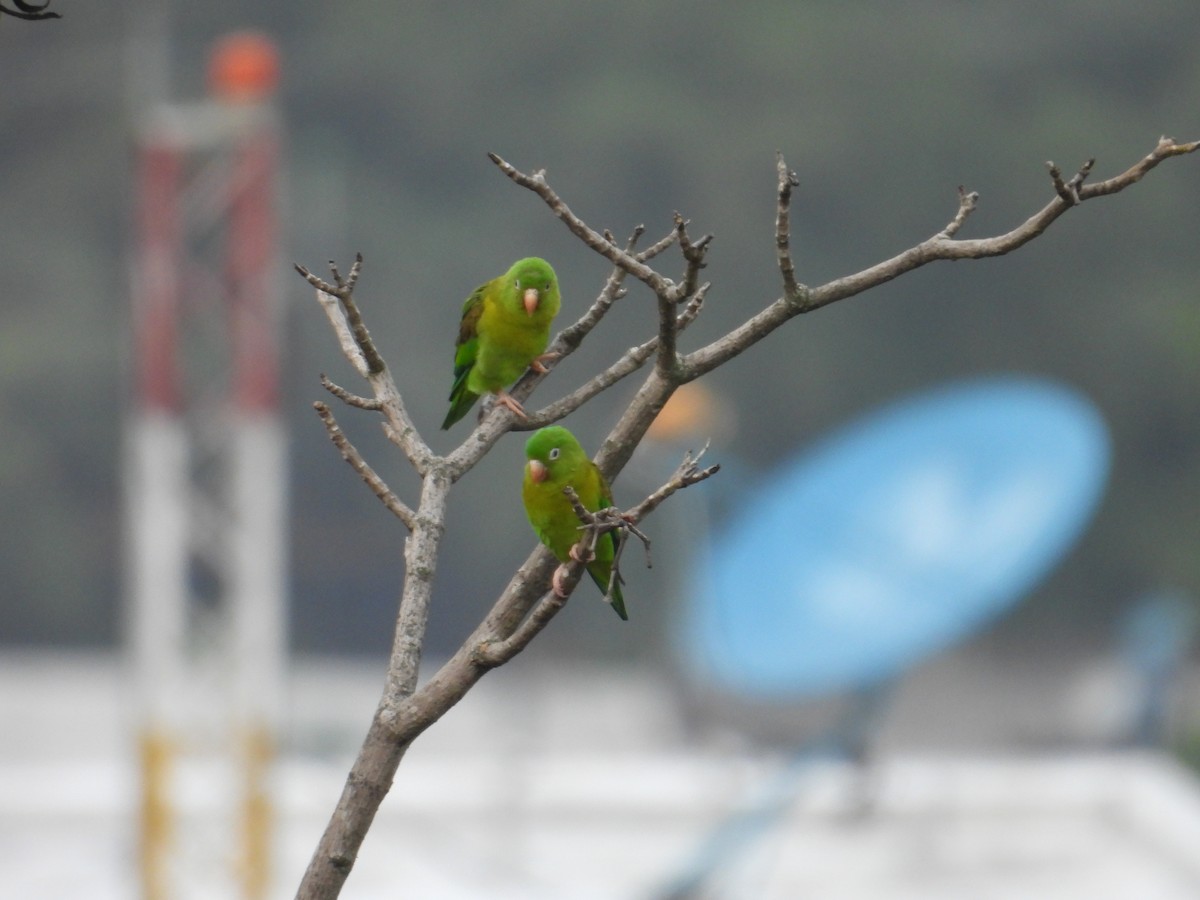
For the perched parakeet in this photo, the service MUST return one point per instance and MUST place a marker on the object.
(555, 461)
(504, 330)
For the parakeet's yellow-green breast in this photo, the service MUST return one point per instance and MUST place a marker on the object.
(504, 330)
(556, 460)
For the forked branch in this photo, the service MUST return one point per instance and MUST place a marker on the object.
(343, 291)
(351, 455)
(602, 245)
(942, 246)
(337, 301)
(524, 608)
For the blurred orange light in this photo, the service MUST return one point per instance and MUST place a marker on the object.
(243, 67)
(692, 410)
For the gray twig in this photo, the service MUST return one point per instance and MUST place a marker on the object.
(351, 455)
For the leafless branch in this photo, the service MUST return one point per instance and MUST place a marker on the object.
(667, 356)
(496, 652)
(1068, 191)
(967, 201)
(337, 301)
(343, 290)
(606, 248)
(523, 608)
(663, 243)
(400, 428)
(572, 336)
(942, 246)
(693, 307)
(351, 455)
(597, 523)
(693, 255)
(685, 475)
(348, 398)
(783, 228)
(1164, 150)
(337, 320)
(622, 541)
(490, 654)
(628, 363)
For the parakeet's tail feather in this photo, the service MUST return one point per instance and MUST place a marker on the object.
(618, 604)
(461, 401)
(618, 600)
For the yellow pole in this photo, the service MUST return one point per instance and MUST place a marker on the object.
(157, 818)
(254, 865)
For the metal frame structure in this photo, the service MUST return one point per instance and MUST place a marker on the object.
(205, 482)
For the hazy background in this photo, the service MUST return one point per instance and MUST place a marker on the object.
(635, 110)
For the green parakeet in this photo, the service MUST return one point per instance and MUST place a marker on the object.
(555, 461)
(504, 330)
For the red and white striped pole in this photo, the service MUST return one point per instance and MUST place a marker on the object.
(157, 483)
(257, 499)
(208, 169)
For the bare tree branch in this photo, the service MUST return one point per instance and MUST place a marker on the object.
(1068, 191)
(523, 609)
(664, 243)
(628, 363)
(343, 290)
(491, 654)
(606, 248)
(348, 398)
(685, 475)
(967, 201)
(400, 428)
(351, 455)
(942, 246)
(693, 255)
(667, 357)
(341, 327)
(783, 227)
(337, 301)
(1165, 149)
(569, 339)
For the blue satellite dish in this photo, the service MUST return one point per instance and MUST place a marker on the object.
(895, 537)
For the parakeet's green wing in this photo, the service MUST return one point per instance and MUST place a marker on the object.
(466, 350)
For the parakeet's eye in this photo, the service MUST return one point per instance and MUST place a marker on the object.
(554, 453)
(518, 283)
(547, 285)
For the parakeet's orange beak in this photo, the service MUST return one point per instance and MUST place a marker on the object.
(537, 471)
(531, 301)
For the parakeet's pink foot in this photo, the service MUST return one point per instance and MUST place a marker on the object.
(538, 364)
(506, 400)
(556, 582)
(580, 553)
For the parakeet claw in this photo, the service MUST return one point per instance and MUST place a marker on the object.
(506, 400)
(556, 582)
(538, 363)
(581, 553)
